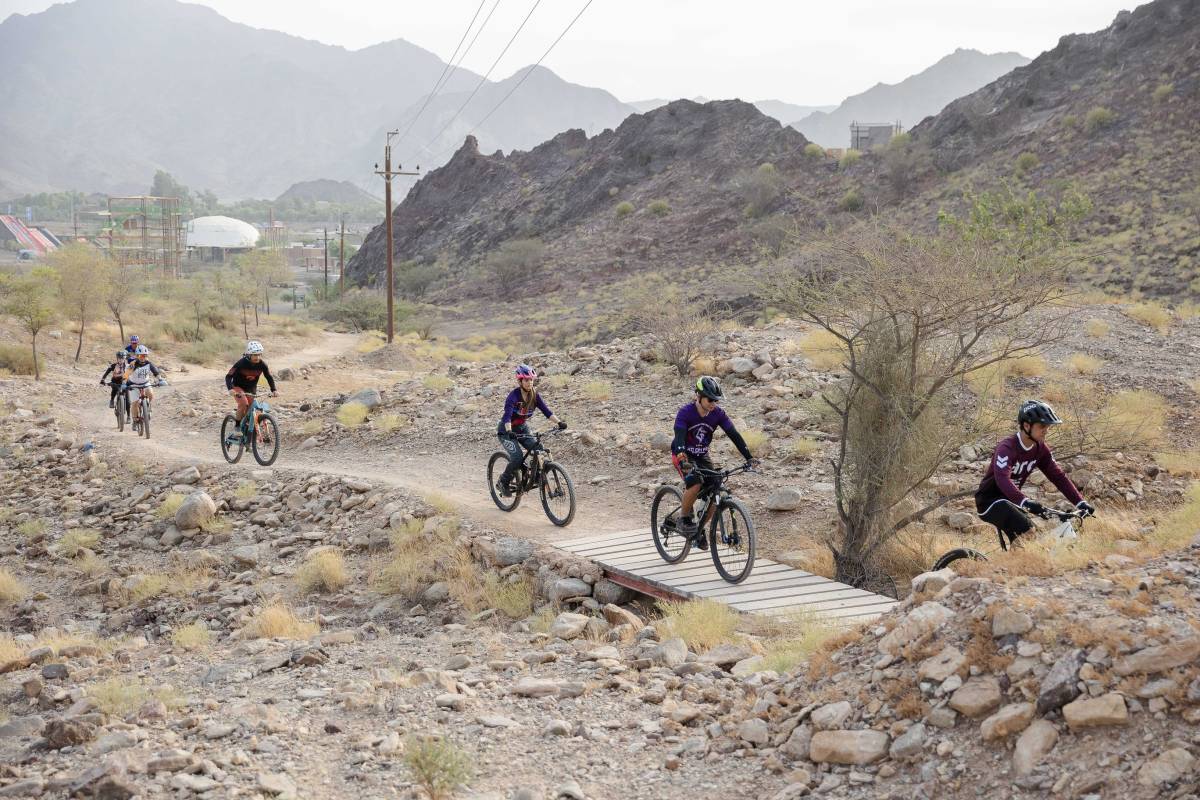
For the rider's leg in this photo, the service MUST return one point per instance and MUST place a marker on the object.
(512, 449)
(243, 404)
(1010, 521)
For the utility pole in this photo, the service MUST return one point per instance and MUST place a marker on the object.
(342, 262)
(325, 238)
(387, 222)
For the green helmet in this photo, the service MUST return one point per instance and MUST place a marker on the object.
(708, 386)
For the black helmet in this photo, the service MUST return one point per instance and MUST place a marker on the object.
(708, 386)
(1037, 411)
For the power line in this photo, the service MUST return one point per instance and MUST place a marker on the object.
(447, 67)
(482, 80)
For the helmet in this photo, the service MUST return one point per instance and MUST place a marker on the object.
(254, 348)
(121, 355)
(526, 371)
(708, 386)
(1037, 411)
(134, 339)
(141, 350)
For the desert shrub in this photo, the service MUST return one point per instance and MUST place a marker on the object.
(822, 349)
(518, 260)
(1162, 92)
(277, 621)
(352, 414)
(1137, 410)
(1025, 162)
(437, 383)
(674, 327)
(437, 765)
(849, 159)
(169, 505)
(760, 189)
(1151, 314)
(795, 638)
(18, 360)
(76, 541)
(418, 557)
(813, 150)
(1097, 119)
(413, 280)
(703, 624)
(770, 234)
(12, 590)
(324, 571)
(804, 449)
(390, 422)
(905, 160)
(1030, 366)
(33, 529)
(852, 200)
(1083, 364)
(623, 209)
(358, 309)
(214, 347)
(514, 599)
(118, 696)
(194, 636)
(597, 390)
(613, 191)
(1097, 328)
(659, 208)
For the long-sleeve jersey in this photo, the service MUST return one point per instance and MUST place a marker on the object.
(1011, 466)
(138, 373)
(694, 433)
(517, 409)
(245, 374)
(117, 368)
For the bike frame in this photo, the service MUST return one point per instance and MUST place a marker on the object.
(715, 495)
(249, 424)
(531, 462)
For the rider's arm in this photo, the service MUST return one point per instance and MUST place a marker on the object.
(1002, 461)
(1053, 471)
(267, 374)
(230, 375)
(736, 438)
(105, 375)
(153, 369)
(679, 443)
(510, 408)
(545, 409)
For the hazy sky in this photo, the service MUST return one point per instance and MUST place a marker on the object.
(803, 52)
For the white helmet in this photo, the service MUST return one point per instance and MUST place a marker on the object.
(141, 350)
(254, 348)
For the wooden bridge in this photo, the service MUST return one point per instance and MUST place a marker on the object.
(630, 559)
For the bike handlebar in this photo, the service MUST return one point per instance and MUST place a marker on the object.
(1062, 516)
(724, 473)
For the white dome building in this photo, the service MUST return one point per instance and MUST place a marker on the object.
(212, 236)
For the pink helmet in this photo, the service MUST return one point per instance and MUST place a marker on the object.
(526, 371)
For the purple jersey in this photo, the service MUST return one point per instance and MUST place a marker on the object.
(1011, 466)
(517, 412)
(700, 430)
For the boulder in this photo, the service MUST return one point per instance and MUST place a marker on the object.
(186, 476)
(511, 551)
(1168, 768)
(848, 747)
(787, 498)
(960, 520)
(831, 716)
(1096, 712)
(940, 667)
(1008, 621)
(670, 653)
(371, 398)
(615, 615)
(1060, 686)
(195, 511)
(1011, 719)
(754, 731)
(933, 581)
(1158, 659)
(608, 593)
(978, 696)
(910, 744)
(568, 625)
(923, 619)
(1032, 746)
(741, 366)
(725, 655)
(564, 588)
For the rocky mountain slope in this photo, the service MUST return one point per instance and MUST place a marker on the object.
(124, 87)
(912, 99)
(328, 191)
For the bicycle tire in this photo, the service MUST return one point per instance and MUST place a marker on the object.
(957, 554)
(555, 475)
(120, 409)
(737, 541)
(662, 526)
(266, 428)
(500, 459)
(145, 419)
(229, 426)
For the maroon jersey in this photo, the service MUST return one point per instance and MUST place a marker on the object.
(1011, 466)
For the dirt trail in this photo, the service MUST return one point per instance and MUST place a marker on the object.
(451, 475)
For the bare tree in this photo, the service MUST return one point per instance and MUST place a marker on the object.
(675, 324)
(914, 316)
(81, 274)
(118, 293)
(28, 298)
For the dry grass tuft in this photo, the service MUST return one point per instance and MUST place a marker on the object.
(33, 529)
(418, 558)
(277, 621)
(1030, 366)
(311, 427)
(246, 490)
(822, 349)
(1152, 315)
(757, 441)
(90, 565)
(177, 583)
(1097, 328)
(437, 765)
(1083, 364)
(122, 696)
(10, 650)
(324, 571)
(803, 449)
(195, 636)
(598, 390)
(559, 381)
(437, 383)
(11, 590)
(703, 624)
(352, 414)
(441, 503)
(1137, 410)
(76, 542)
(799, 636)
(170, 503)
(370, 341)
(1180, 526)
(1181, 462)
(390, 422)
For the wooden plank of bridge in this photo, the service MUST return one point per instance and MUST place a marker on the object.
(630, 559)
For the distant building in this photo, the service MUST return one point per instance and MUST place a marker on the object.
(866, 136)
(213, 238)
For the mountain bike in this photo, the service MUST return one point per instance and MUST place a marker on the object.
(731, 538)
(1063, 534)
(142, 423)
(536, 471)
(258, 429)
(121, 407)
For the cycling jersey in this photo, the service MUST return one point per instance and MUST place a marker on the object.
(245, 373)
(118, 370)
(694, 433)
(517, 409)
(1011, 466)
(139, 374)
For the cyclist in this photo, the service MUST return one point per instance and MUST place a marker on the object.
(513, 429)
(242, 378)
(117, 369)
(131, 348)
(695, 425)
(999, 499)
(138, 378)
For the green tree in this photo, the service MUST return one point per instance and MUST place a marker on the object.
(30, 299)
(165, 185)
(81, 273)
(518, 260)
(760, 189)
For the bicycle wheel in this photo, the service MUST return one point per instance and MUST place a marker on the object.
(496, 466)
(120, 409)
(672, 545)
(232, 450)
(146, 419)
(266, 440)
(558, 494)
(957, 554)
(732, 542)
